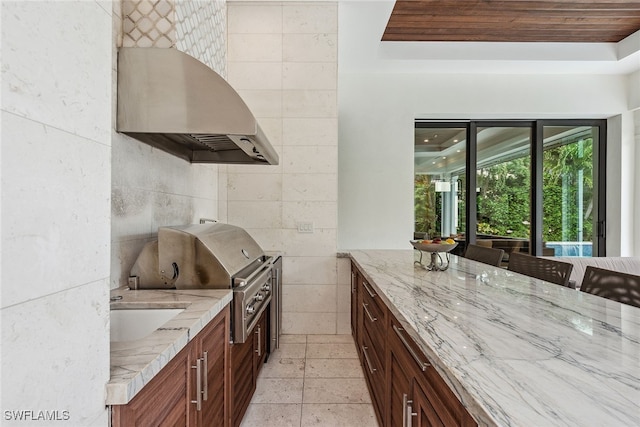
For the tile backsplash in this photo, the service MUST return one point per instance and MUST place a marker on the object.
(201, 31)
(148, 23)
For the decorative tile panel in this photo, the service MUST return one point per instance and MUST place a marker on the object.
(201, 31)
(197, 28)
(148, 23)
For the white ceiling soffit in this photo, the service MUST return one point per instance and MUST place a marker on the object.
(362, 23)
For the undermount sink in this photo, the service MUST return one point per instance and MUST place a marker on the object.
(135, 324)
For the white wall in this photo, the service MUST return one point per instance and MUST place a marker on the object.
(634, 90)
(635, 210)
(377, 109)
(282, 59)
(377, 112)
(56, 163)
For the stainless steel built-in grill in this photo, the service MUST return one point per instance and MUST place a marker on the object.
(210, 256)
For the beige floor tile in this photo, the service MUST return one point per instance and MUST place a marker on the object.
(283, 368)
(345, 415)
(272, 415)
(333, 368)
(293, 339)
(335, 390)
(332, 351)
(289, 351)
(328, 339)
(278, 390)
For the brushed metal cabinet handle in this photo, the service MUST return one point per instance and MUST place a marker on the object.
(407, 411)
(205, 359)
(369, 291)
(366, 357)
(422, 365)
(259, 349)
(366, 310)
(198, 368)
(410, 413)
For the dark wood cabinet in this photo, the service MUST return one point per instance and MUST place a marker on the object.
(405, 389)
(354, 302)
(260, 338)
(417, 391)
(177, 396)
(163, 401)
(215, 360)
(373, 315)
(246, 361)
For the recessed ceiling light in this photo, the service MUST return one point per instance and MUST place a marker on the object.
(458, 151)
(455, 140)
(426, 140)
(433, 163)
(444, 157)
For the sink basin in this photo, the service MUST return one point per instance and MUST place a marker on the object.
(135, 324)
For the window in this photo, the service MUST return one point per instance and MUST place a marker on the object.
(530, 186)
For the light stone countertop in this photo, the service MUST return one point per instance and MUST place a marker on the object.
(135, 363)
(516, 350)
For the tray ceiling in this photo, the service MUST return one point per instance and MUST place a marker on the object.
(513, 21)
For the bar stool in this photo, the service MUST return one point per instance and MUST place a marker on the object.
(484, 254)
(613, 285)
(541, 268)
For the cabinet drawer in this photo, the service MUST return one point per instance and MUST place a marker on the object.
(374, 327)
(374, 318)
(374, 374)
(371, 298)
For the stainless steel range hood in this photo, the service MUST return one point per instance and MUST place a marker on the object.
(176, 103)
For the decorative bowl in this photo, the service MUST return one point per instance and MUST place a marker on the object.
(433, 247)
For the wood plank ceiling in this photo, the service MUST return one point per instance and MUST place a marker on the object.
(513, 20)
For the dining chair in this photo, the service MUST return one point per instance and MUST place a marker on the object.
(509, 246)
(484, 254)
(541, 268)
(613, 285)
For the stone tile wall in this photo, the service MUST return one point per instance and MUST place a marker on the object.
(56, 173)
(282, 59)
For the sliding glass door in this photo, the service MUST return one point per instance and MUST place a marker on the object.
(503, 187)
(569, 196)
(528, 186)
(440, 177)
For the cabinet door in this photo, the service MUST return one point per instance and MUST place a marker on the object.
(400, 391)
(213, 349)
(422, 411)
(358, 312)
(162, 402)
(401, 374)
(243, 380)
(260, 342)
(429, 401)
(354, 303)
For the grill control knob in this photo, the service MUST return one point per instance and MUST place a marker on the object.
(250, 309)
(259, 297)
(266, 287)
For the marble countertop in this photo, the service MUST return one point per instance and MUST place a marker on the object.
(516, 350)
(135, 363)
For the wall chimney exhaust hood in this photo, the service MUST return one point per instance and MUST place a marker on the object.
(177, 104)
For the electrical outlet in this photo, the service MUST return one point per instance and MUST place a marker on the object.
(305, 227)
